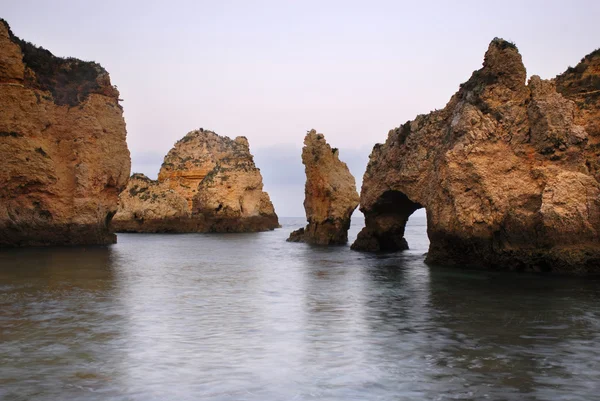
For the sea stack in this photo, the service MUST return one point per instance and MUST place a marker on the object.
(330, 195)
(63, 155)
(207, 183)
(507, 172)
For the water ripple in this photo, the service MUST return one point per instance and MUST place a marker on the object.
(251, 317)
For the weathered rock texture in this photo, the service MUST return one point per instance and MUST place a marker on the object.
(330, 194)
(207, 183)
(507, 172)
(63, 154)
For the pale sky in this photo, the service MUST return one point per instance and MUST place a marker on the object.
(271, 70)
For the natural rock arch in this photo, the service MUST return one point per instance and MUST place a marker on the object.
(386, 223)
(508, 172)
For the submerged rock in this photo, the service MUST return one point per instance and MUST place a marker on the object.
(63, 155)
(207, 183)
(507, 172)
(330, 194)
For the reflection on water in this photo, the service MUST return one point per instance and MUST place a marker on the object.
(58, 321)
(251, 317)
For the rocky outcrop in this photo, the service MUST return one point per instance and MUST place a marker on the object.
(207, 183)
(155, 207)
(330, 194)
(507, 172)
(63, 155)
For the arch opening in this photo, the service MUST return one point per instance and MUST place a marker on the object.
(385, 223)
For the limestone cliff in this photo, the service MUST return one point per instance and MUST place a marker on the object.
(507, 172)
(63, 155)
(330, 194)
(207, 183)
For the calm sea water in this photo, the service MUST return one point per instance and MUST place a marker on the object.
(251, 317)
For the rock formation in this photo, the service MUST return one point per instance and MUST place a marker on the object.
(207, 183)
(507, 172)
(63, 154)
(330, 194)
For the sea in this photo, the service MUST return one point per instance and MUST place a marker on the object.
(253, 317)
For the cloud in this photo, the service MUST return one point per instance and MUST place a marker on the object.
(147, 163)
(280, 165)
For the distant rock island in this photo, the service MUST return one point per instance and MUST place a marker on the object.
(507, 172)
(63, 155)
(207, 183)
(330, 194)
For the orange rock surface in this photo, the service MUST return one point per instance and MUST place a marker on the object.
(207, 183)
(507, 172)
(330, 194)
(63, 154)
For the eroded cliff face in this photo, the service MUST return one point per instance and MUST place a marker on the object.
(330, 194)
(207, 183)
(63, 155)
(507, 172)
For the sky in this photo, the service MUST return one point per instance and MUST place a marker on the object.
(272, 70)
